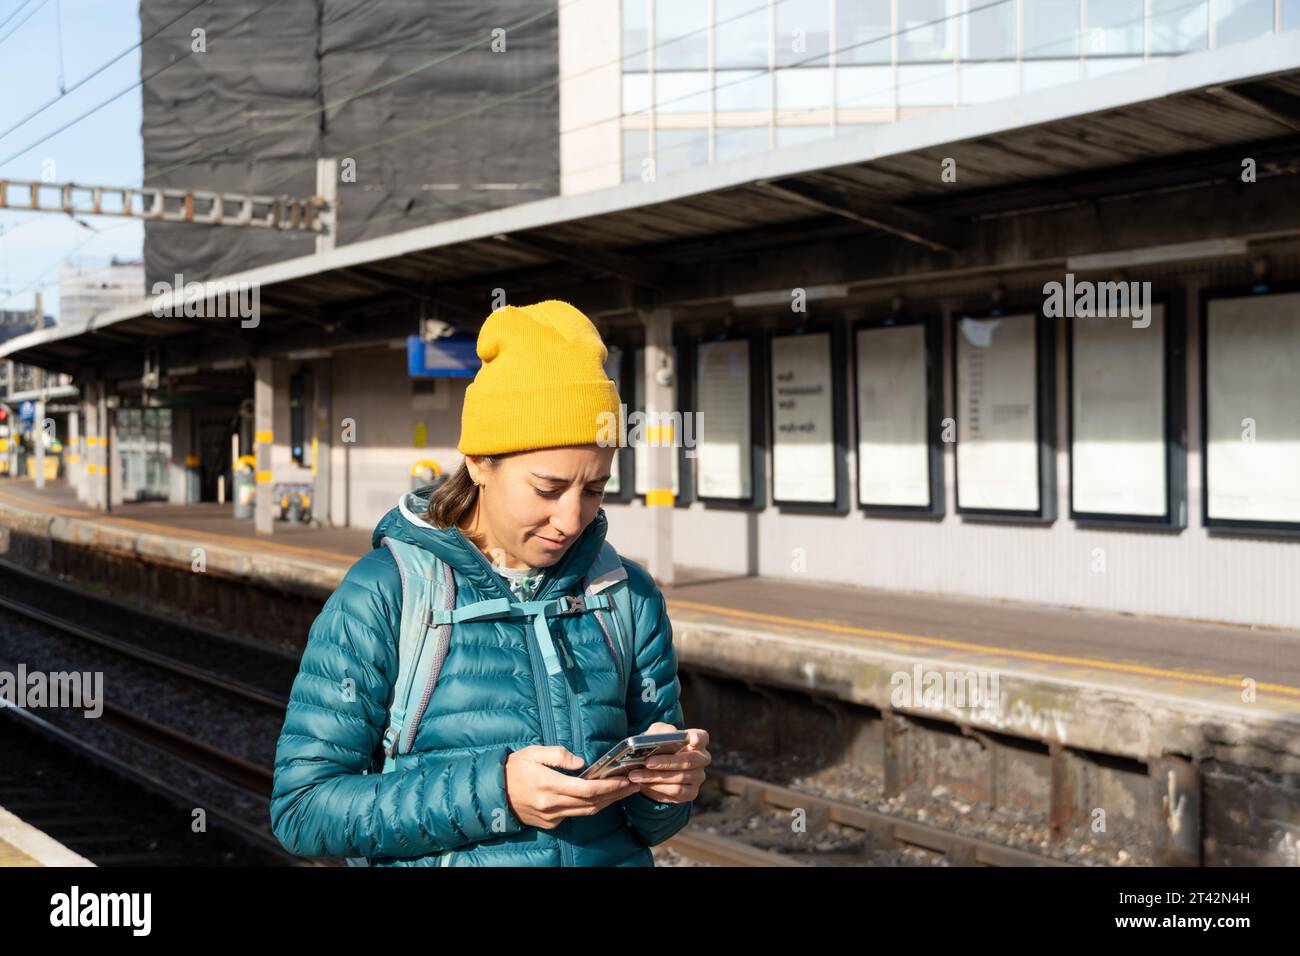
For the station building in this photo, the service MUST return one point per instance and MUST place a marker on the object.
(1039, 349)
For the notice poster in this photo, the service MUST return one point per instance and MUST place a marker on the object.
(642, 448)
(1252, 401)
(724, 465)
(803, 440)
(614, 369)
(1118, 449)
(893, 451)
(997, 414)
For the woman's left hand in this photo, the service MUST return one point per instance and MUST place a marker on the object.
(674, 778)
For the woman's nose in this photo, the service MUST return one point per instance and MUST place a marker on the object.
(567, 517)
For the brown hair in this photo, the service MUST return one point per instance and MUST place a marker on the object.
(452, 503)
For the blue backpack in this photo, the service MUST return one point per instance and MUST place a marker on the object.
(429, 611)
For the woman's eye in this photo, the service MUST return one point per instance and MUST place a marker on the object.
(555, 494)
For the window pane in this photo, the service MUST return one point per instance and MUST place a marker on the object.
(865, 86)
(636, 149)
(1291, 14)
(1177, 27)
(862, 31)
(931, 84)
(1051, 29)
(1114, 26)
(1238, 20)
(1110, 64)
(740, 33)
(926, 30)
(990, 33)
(742, 90)
(681, 35)
(803, 89)
(636, 37)
(793, 135)
(981, 82)
(678, 149)
(636, 92)
(682, 92)
(733, 143)
(1039, 74)
(803, 32)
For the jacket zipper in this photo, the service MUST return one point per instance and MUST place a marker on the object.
(541, 681)
(575, 715)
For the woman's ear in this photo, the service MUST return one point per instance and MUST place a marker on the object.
(473, 465)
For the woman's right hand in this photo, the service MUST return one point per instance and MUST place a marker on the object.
(542, 797)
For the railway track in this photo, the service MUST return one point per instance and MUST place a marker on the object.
(257, 675)
(120, 816)
(755, 795)
(249, 778)
(758, 796)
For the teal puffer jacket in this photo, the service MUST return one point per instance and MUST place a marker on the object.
(445, 803)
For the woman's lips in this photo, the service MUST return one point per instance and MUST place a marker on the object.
(552, 542)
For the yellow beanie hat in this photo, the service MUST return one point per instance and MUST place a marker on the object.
(542, 383)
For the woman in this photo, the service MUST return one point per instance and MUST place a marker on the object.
(490, 778)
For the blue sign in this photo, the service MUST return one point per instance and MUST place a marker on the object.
(451, 355)
(27, 410)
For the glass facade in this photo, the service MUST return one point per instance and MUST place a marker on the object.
(144, 441)
(707, 81)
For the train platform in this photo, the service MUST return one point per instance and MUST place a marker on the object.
(1111, 683)
(21, 844)
(209, 519)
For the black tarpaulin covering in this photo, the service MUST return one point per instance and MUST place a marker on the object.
(284, 82)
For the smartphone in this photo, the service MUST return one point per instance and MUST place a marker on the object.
(633, 752)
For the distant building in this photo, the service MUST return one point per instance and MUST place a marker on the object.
(13, 324)
(85, 292)
(391, 90)
(16, 322)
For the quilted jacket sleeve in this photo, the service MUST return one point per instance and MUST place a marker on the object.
(323, 802)
(652, 697)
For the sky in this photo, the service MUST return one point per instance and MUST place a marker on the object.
(104, 149)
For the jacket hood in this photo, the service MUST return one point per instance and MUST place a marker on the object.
(404, 523)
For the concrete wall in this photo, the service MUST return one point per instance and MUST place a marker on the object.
(372, 388)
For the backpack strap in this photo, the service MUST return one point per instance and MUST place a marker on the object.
(427, 583)
(539, 611)
(429, 611)
(608, 576)
(427, 586)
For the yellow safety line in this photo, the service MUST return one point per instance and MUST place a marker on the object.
(854, 630)
(981, 648)
(172, 530)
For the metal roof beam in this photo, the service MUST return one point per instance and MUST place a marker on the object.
(382, 282)
(1275, 104)
(206, 326)
(293, 310)
(459, 301)
(634, 270)
(935, 233)
(114, 335)
(1185, 170)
